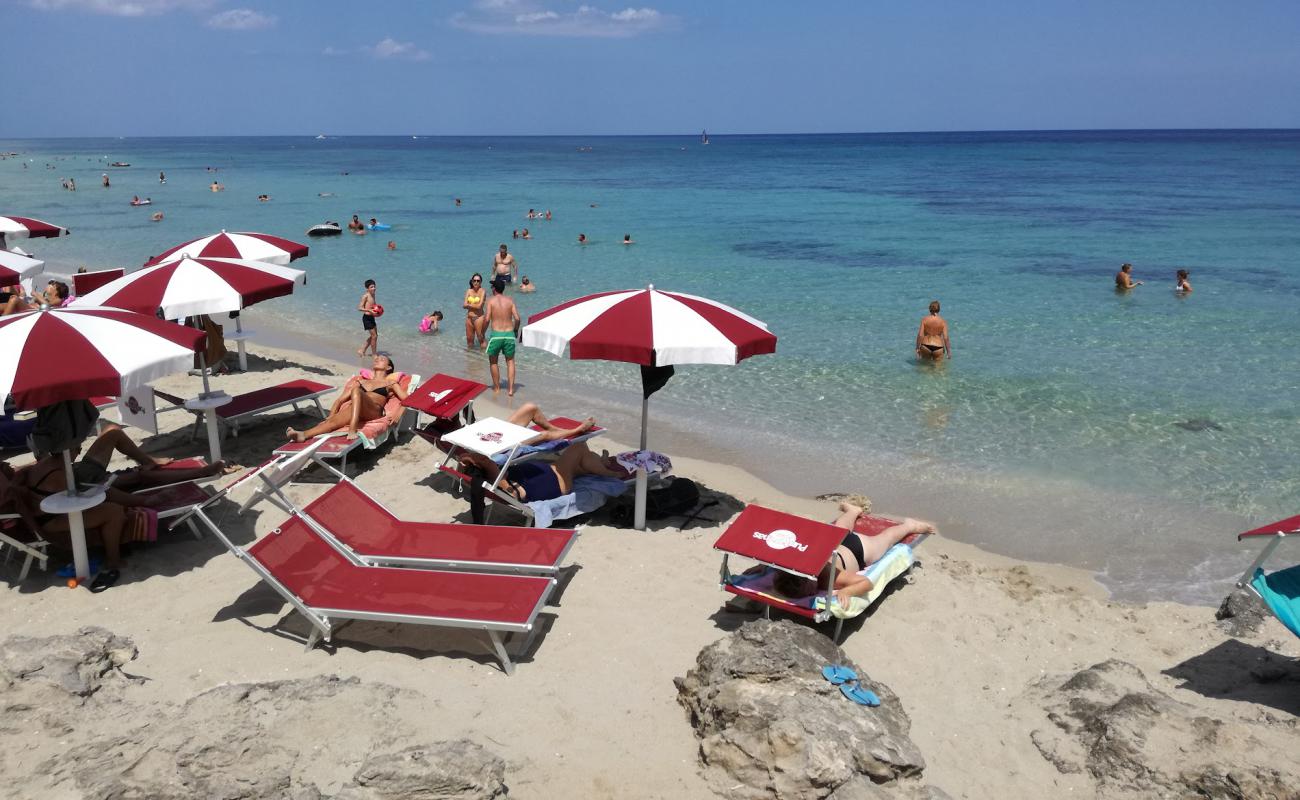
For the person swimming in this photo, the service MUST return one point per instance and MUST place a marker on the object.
(1183, 285)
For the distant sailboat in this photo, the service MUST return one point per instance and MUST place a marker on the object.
(322, 136)
(704, 137)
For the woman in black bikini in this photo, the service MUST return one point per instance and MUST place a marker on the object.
(932, 338)
(540, 480)
(361, 401)
(854, 554)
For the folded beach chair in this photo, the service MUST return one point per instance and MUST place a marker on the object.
(1280, 590)
(369, 534)
(326, 587)
(781, 541)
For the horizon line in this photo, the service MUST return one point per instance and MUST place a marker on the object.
(646, 135)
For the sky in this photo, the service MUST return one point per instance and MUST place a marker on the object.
(549, 67)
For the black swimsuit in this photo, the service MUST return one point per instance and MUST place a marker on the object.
(854, 543)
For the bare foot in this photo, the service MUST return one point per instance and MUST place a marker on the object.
(351, 435)
(918, 526)
(295, 436)
(361, 353)
(511, 393)
(587, 424)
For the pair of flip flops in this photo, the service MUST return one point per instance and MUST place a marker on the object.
(104, 578)
(850, 687)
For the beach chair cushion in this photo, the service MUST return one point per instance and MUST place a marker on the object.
(444, 396)
(373, 533)
(323, 579)
(271, 397)
(1281, 591)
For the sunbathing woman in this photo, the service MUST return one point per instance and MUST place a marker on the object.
(540, 480)
(531, 414)
(855, 553)
(362, 400)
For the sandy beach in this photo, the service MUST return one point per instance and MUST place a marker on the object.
(592, 710)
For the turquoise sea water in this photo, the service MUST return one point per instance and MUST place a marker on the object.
(1052, 434)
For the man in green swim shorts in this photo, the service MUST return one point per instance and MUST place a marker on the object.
(502, 319)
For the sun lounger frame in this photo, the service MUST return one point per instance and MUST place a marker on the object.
(35, 550)
(725, 578)
(1286, 528)
(321, 619)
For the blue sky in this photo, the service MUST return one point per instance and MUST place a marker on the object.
(227, 67)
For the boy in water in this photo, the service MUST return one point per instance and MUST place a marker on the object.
(502, 317)
(366, 307)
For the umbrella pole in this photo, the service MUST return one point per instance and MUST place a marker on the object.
(206, 403)
(642, 480)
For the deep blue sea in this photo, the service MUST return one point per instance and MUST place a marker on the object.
(1054, 432)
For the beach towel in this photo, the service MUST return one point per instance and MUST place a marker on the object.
(141, 525)
(590, 492)
(896, 560)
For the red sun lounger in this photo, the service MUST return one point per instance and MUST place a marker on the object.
(290, 393)
(325, 587)
(368, 533)
(800, 546)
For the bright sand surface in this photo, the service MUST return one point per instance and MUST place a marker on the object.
(592, 710)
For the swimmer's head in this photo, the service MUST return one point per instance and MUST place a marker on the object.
(504, 248)
(370, 283)
(526, 281)
(1125, 267)
(476, 278)
(1182, 274)
(934, 306)
(437, 315)
(498, 286)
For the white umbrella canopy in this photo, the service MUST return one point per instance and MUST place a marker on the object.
(653, 328)
(188, 286)
(15, 267)
(245, 245)
(12, 228)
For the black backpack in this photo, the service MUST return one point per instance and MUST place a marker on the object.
(677, 498)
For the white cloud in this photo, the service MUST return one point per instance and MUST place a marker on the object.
(241, 19)
(390, 48)
(526, 18)
(331, 50)
(121, 8)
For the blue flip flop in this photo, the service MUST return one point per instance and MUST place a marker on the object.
(859, 694)
(70, 570)
(838, 674)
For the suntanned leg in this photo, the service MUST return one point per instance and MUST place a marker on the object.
(531, 414)
(335, 421)
(114, 439)
(510, 375)
(494, 367)
(108, 519)
(874, 547)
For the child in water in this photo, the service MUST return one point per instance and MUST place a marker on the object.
(430, 322)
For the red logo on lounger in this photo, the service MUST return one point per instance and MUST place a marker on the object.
(781, 539)
(494, 437)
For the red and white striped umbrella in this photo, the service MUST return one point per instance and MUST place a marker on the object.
(26, 227)
(649, 327)
(654, 329)
(250, 246)
(14, 267)
(78, 353)
(187, 287)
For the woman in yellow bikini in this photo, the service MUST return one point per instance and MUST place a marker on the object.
(475, 321)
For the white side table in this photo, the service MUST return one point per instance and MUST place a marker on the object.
(73, 505)
(206, 404)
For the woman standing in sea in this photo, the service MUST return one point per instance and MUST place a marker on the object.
(475, 322)
(932, 342)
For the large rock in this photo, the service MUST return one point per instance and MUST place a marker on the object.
(1241, 613)
(77, 664)
(301, 739)
(1109, 721)
(769, 722)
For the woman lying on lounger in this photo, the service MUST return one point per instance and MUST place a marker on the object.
(362, 400)
(536, 480)
(855, 553)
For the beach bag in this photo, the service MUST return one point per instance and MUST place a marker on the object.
(675, 499)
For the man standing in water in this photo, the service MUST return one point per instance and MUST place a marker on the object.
(502, 318)
(367, 308)
(503, 266)
(1124, 278)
